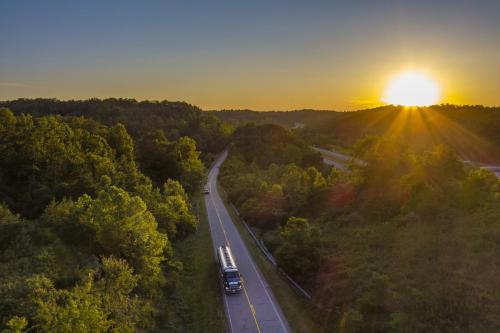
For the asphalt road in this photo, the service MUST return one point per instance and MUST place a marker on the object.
(340, 161)
(334, 154)
(493, 168)
(254, 309)
(335, 164)
(333, 158)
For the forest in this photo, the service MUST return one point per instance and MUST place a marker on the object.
(99, 222)
(88, 230)
(473, 131)
(154, 126)
(406, 242)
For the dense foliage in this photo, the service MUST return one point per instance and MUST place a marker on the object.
(85, 237)
(90, 215)
(261, 155)
(165, 133)
(472, 131)
(406, 242)
(267, 144)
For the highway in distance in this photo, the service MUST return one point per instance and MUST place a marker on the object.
(254, 309)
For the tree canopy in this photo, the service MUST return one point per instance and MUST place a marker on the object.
(403, 242)
(86, 239)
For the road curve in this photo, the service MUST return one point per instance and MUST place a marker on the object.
(492, 168)
(334, 154)
(254, 309)
(340, 161)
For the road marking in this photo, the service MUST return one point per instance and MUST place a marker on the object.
(251, 262)
(252, 309)
(225, 297)
(267, 293)
(220, 221)
(229, 317)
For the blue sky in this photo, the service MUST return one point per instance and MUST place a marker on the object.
(247, 54)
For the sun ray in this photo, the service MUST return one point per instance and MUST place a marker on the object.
(470, 144)
(426, 127)
(396, 128)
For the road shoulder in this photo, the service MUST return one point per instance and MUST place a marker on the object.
(297, 310)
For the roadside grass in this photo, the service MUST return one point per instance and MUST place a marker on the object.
(199, 288)
(297, 310)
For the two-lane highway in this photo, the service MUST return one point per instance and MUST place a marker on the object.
(254, 309)
(341, 161)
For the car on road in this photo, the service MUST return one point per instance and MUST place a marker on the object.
(206, 190)
(230, 276)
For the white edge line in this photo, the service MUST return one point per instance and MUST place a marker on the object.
(231, 329)
(228, 314)
(251, 261)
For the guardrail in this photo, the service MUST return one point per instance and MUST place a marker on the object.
(270, 257)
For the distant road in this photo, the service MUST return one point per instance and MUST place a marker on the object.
(254, 309)
(333, 158)
(340, 161)
(334, 154)
(493, 168)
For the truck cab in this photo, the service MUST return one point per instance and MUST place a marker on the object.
(230, 276)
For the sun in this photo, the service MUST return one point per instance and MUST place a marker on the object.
(412, 88)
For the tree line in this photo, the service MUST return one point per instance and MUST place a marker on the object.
(159, 128)
(470, 130)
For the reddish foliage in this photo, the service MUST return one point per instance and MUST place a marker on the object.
(341, 195)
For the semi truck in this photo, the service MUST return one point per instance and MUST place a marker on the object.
(230, 276)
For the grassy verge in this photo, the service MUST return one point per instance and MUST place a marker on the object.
(199, 289)
(297, 309)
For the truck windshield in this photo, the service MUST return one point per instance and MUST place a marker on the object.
(232, 276)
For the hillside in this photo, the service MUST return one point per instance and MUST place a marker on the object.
(473, 131)
(142, 119)
(406, 242)
(88, 240)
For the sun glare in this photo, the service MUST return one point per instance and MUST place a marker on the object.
(412, 89)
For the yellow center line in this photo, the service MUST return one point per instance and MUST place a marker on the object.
(252, 309)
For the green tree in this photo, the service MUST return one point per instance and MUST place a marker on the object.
(189, 165)
(479, 188)
(351, 322)
(122, 143)
(293, 187)
(115, 286)
(124, 227)
(155, 156)
(171, 209)
(299, 253)
(433, 181)
(63, 311)
(271, 208)
(46, 158)
(16, 324)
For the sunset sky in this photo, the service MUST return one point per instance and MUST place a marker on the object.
(263, 55)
